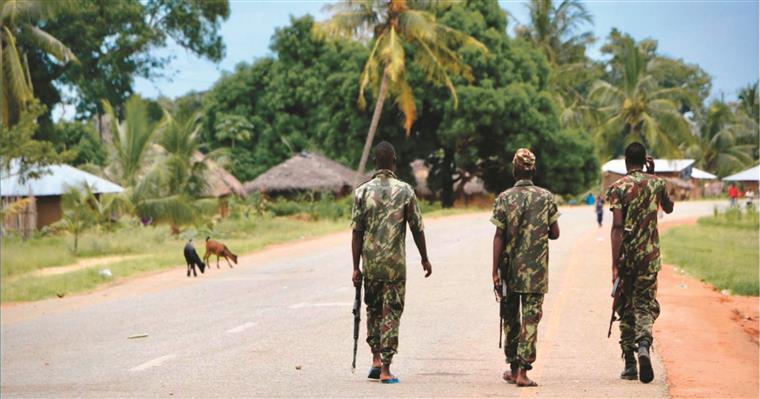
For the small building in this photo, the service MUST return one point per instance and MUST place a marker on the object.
(45, 193)
(221, 184)
(748, 179)
(675, 172)
(472, 193)
(704, 184)
(305, 172)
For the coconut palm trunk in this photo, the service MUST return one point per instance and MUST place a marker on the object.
(372, 127)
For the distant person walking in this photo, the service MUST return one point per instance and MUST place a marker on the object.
(749, 197)
(733, 194)
(383, 207)
(525, 217)
(599, 205)
(634, 200)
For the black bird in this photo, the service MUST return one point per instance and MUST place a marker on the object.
(192, 259)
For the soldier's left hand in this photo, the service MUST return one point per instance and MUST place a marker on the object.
(427, 267)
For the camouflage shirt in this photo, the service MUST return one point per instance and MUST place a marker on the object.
(382, 208)
(639, 194)
(525, 212)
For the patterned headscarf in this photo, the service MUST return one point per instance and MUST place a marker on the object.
(524, 160)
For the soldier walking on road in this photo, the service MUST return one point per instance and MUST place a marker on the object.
(526, 219)
(634, 200)
(382, 208)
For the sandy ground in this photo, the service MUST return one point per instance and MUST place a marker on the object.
(708, 341)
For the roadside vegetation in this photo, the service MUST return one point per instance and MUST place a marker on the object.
(721, 250)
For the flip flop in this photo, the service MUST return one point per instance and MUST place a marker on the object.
(374, 373)
(393, 380)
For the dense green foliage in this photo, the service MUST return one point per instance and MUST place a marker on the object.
(303, 99)
(115, 42)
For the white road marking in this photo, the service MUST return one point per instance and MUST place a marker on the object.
(319, 305)
(241, 328)
(153, 363)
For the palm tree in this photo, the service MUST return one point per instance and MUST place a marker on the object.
(719, 147)
(78, 214)
(398, 25)
(554, 29)
(132, 141)
(637, 109)
(18, 34)
(169, 191)
(749, 102)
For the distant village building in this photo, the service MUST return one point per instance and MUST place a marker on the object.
(705, 184)
(221, 184)
(676, 173)
(305, 172)
(748, 179)
(44, 193)
(472, 193)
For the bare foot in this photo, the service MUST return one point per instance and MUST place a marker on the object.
(522, 379)
(385, 373)
(509, 376)
(376, 363)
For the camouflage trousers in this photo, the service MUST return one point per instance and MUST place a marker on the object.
(385, 303)
(521, 335)
(638, 311)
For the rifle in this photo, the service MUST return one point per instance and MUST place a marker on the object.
(501, 294)
(619, 286)
(617, 292)
(357, 319)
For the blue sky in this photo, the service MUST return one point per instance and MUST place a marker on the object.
(720, 36)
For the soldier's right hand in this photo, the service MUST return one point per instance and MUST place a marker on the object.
(427, 267)
(356, 278)
(614, 273)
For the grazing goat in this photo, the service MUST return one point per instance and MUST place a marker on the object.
(218, 249)
(192, 259)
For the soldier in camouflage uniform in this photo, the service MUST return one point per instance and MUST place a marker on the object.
(382, 208)
(634, 200)
(526, 219)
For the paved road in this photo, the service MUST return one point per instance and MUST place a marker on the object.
(280, 325)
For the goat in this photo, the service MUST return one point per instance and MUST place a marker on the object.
(218, 249)
(192, 259)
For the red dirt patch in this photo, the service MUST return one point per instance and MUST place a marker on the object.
(708, 341)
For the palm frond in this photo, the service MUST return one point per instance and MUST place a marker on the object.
(370, 71)
(392, 55)
(405, 102)
(49, 44)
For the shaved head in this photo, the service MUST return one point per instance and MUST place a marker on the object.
(385, 156)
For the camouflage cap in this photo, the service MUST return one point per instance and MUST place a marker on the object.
(524, 160)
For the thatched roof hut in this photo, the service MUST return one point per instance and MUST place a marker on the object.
(304, 172)
(220, 182)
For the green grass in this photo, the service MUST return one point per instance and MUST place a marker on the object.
(721, 250)
(242, 236)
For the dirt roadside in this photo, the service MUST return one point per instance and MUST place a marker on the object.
(708, 341)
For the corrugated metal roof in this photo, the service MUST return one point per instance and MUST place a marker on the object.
(660, 165)
(55, 181)
(701, 174)
(751, 174)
